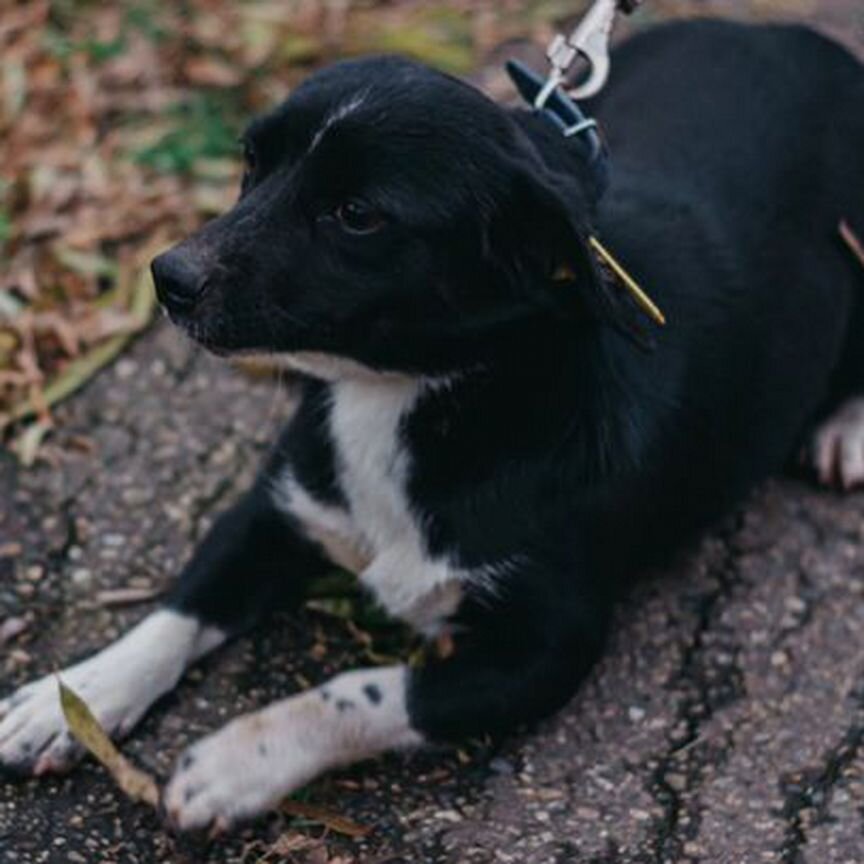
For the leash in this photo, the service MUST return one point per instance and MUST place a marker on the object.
(550, 98)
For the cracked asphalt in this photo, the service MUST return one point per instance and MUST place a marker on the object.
(724, 724)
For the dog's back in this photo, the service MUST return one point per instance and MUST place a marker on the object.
(736, 153)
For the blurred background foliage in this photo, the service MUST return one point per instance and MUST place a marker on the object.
(118, 133)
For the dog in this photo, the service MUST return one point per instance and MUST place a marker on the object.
(494, 448)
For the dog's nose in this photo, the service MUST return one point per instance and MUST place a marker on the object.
(179, 282)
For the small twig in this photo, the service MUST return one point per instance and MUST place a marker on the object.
(323, 816)
(126, 596)
(851, 239)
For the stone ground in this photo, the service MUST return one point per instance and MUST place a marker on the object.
(725, 724)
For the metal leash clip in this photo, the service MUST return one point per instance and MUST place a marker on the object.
(590, 42)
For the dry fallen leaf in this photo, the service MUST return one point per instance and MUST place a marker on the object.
(11, 628)
(334, 821)
(26, 446)
(80, 370)
(85, 728)
(291, 842)
(212, 72)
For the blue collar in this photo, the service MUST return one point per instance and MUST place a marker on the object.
(569, 119)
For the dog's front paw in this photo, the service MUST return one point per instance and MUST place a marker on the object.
(255, 761)
(118, 684)
(838, 447)
(235, 774)
(34, 738)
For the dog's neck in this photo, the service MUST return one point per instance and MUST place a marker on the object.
(559, 154)
(475, 403)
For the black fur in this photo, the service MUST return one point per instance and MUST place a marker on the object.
(557, 444)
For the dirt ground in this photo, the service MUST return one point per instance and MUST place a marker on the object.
(725, 723)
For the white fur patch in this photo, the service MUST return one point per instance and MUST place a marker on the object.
(339, 113)
(256, 760)
(119, 684)
(331, 527)
(377, 536)
(328, 367)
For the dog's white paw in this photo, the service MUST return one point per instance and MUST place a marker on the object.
(837, 447)
(118, 684)
(33, 734)
(232, 775)
(256, 760)
(248, 766)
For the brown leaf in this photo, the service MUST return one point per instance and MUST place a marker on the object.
(292, 841)
(334, 821)
(12, 628)
(211, 72)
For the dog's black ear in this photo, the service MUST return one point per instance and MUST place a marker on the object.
(539, 238)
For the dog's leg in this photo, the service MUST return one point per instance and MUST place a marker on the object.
(256, 760)
(250, 560)
(513, 663)
(838, 446)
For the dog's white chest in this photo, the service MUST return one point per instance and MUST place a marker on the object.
(377, 535)
(371, 461)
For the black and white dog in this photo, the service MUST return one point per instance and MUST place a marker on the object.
(486, 444)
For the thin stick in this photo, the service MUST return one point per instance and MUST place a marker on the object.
(641, 298)
(851, 239)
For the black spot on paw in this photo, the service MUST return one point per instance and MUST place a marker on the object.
(262, 749)
(325, 695)
(344, 705)
(373, 693)
(187, 760)
(26, 748)
(189, 794)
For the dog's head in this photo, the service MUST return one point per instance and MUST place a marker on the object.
(390, 215)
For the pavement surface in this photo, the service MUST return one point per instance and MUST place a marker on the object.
(724, 724)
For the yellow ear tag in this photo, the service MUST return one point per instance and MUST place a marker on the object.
(645, 303)
(563, 273)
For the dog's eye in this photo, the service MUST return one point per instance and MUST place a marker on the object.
(357, 217)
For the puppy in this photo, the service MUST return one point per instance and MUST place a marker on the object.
(493, 449)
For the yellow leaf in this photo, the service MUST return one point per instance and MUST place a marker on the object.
(85, 728)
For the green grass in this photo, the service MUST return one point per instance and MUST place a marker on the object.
(205, 126)
(5, 228)
(5, 218)
(142, 16)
